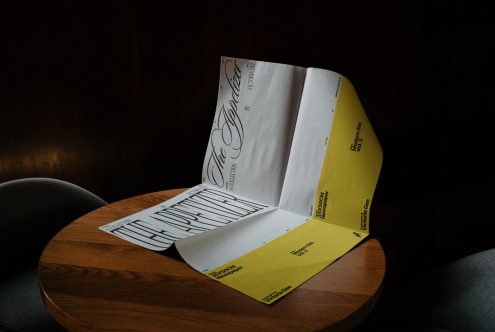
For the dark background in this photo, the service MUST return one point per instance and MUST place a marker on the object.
(118, 97)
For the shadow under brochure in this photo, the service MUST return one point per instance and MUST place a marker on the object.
(288, 178)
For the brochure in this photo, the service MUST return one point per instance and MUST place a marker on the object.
(287, 182)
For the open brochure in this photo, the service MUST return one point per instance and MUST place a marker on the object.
(288, 177)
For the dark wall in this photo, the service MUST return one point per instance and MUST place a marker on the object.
(118, 97)
(70, 94)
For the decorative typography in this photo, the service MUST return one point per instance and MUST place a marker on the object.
(204, 210)
(227, 135)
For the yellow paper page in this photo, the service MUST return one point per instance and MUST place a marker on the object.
(340, 219)
(274, 270)
(351, 167)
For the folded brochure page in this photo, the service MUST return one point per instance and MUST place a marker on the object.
(288, 177)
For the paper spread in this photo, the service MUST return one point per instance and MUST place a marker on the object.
(288, 178)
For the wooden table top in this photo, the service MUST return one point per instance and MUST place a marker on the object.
(93, 281)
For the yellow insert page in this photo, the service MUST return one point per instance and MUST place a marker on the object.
(272, 271)
(340, 218)
(351, 166)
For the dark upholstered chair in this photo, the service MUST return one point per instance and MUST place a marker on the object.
(31, 212)
(459, 296)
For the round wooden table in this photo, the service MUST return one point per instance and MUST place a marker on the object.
(93, 281)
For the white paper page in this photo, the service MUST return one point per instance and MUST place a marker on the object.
(212, 249)
(251, 135)
(193, 212)
(247, 157)
(310, 140)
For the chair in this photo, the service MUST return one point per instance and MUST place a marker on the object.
(459, 296)
(32, 211)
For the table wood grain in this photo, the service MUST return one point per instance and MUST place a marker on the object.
(93, 281)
